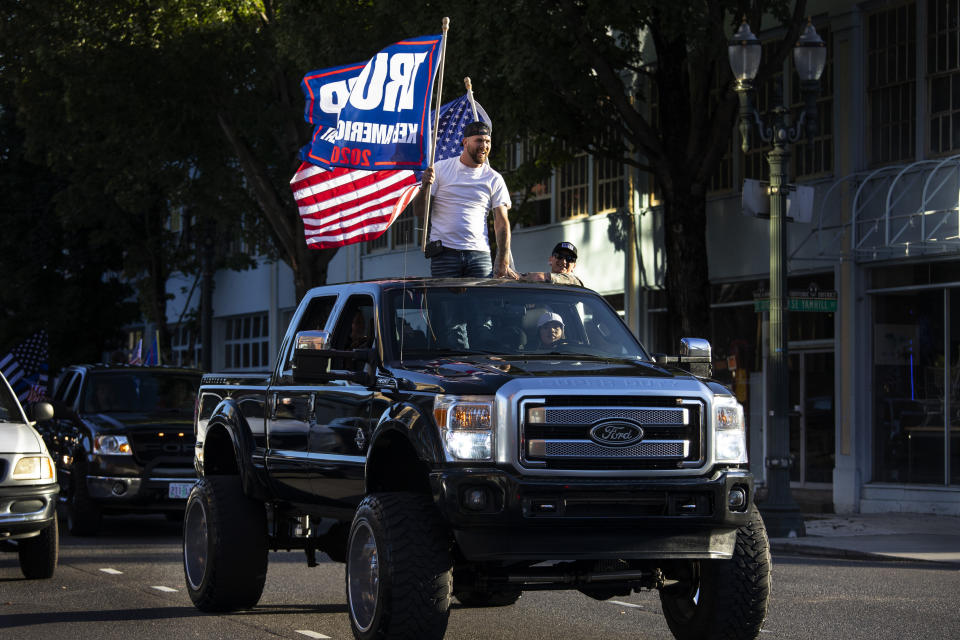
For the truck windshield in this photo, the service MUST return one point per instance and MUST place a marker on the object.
(425, 322)
(140, 392)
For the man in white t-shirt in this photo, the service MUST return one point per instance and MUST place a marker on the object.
(463, 189)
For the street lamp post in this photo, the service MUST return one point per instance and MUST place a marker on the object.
(780, 512)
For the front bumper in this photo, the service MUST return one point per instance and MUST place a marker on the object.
(25, 510)
(584, 519)
(120, 483)
(146, 494)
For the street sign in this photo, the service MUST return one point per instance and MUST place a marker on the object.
(799, 304)
(813, 299)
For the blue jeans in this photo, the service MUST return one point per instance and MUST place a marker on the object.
(461, 263)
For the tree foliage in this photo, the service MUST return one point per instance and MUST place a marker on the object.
(149, 110)
(646, 83)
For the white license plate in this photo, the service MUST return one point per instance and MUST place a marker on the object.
(179, 490)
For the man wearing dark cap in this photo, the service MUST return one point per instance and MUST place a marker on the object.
(463, 189)
(562, 260)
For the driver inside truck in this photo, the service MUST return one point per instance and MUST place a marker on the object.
(550, 329)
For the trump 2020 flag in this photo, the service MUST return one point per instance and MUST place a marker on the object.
(342, 206)
(26, 368)
(384, 121)
(325, 91)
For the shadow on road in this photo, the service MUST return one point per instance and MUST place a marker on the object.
(110, 615)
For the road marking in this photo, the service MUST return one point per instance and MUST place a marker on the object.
(165, 589)
(312, 634)
(112, 572)
(627, 604)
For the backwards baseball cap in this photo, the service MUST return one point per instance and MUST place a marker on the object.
(476, 129)
(549, 317)
(565, 247)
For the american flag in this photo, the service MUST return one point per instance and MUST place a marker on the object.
(343, 206)
(26, 368)
(454, 116)
(136, 355)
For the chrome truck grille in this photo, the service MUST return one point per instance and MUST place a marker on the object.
(564, 432)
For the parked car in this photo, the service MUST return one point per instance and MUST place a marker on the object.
(123, 441)
(28, 488)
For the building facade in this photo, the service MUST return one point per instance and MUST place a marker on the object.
(874, 372)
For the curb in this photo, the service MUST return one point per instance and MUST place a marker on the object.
(785, 546)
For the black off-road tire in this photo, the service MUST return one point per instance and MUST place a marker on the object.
(39, 554)
(399, 574)
(502, 598)
(722, 599)
(84, 515)
(224, 545)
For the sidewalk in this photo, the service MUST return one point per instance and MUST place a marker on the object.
(891, 536)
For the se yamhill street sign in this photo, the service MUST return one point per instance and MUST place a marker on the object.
(813, 299)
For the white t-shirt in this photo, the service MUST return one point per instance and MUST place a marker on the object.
(462, 196)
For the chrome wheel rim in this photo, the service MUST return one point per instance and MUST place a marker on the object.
(363, 576)
(195, 544)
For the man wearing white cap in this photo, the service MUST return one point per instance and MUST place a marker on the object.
(550, 329)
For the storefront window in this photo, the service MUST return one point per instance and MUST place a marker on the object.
(909, 374)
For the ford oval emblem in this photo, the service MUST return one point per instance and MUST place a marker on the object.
(616, 433)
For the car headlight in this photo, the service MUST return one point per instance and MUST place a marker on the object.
(108, 444)
(730, 430)
(466, 426)
(33, 468)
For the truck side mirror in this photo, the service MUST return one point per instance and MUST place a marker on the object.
(311, 359)
(695, 356)
(42, 411)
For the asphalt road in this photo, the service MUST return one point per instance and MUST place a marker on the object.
(128, 583)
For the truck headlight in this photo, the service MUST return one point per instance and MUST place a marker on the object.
(466, 426)
(33, 468)
(108, 444)
(729, 430)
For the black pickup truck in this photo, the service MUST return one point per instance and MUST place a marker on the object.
(445, 440)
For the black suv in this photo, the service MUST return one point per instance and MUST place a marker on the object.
(122, 440)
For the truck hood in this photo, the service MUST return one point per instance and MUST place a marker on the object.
(16, 437)
(477, 374)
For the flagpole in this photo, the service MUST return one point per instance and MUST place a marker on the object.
(436, 124)
(473, 105)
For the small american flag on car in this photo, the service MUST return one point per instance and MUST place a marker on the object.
(26, 368)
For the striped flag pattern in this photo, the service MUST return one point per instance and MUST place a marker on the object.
(26, 368)
(342, 206)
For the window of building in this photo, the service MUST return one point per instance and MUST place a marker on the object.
(185, 347)
(916, 378)
(814, 158)
(403, 230)
(247, 342)
(722, 179)
(943, 66)
(891, 83)
(537, 205)
(379, 243)
(610, 184)
(574, 186)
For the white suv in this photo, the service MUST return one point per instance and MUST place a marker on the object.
(28, 488)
